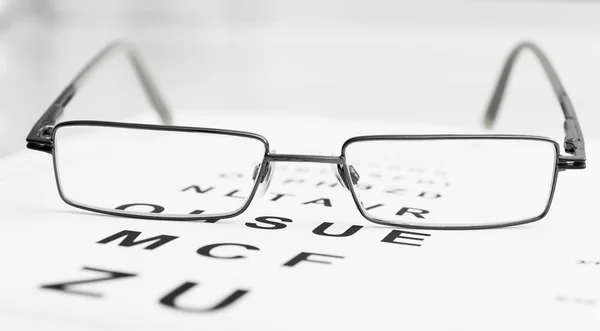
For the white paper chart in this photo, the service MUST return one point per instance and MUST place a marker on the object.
(301, 257)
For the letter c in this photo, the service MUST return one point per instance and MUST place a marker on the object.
(206, 250)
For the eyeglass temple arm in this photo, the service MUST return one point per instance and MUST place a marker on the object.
(574, 142)
(39, 138)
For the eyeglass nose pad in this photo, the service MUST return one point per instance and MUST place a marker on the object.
(263, 175)
(340, 174)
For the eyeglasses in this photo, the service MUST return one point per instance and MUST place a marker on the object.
(423, 181)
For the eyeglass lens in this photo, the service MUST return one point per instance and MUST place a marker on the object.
(147, 171)
(453, 182)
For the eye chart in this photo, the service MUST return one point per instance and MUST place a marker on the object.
(300, 257)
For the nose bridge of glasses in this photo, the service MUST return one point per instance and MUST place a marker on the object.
(338, 164)
(304, 158)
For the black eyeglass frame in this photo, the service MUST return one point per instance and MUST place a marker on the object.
(42, 138)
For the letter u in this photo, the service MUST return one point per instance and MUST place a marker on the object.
(169, 300)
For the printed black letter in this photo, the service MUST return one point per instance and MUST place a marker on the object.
(169, 299)
(197, 189)
(200, 211)
(374, 206)
(323, 201)
(395, 234)
(418, 213)
(131, 236)
(304, 257)
(320, 230)
(65, 286)
(280, 195)
(205, 250)
(287, 181)
(395, 191)
(430, 195)
(232, 194)
(267, 220)
(156, 209)
(322, 183)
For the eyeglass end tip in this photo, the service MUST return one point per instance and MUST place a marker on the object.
(488, 122)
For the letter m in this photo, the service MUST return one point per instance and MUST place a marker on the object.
(129, 239)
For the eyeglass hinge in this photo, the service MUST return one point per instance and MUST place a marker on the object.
(572, 144)
(569, 162)
(42, 140)
(45, 132)
(40, 147)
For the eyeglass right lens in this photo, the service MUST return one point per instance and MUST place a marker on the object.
(453, 182)
(141, 172)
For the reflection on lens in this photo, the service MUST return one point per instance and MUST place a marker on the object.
(176, 174)
(453, 182)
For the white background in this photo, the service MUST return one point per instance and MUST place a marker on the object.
(405, 61)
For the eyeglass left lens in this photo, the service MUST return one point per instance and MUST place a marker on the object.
(452, 182)
(144, 172)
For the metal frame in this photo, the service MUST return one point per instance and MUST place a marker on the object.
(43, 133)
(135, 126)
(40, 136)
(574, 143)
(453, 137)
